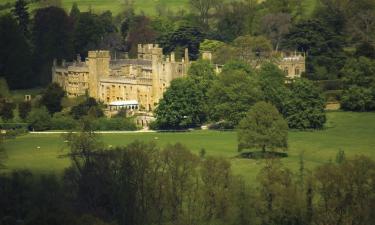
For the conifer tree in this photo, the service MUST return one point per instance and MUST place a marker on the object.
(20, 11)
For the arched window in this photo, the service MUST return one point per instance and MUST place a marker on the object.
(286, 70)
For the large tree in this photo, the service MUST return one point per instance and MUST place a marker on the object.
(182, 106)
(203, 8)
(233, 93)
(21, 13)
(305, 106)
(53, 39)
(263, 128)
(52, 98)
(323, 46)
(15, 54)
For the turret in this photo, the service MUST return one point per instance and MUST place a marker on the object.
(98, 63)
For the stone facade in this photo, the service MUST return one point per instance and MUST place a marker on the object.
(143, 79)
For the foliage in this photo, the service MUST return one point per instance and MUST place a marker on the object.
(52, 35)
(15, 54)
(182, 105)
(272, 83)
(4, 89)
(24, 108)
(52, 98)
(39, 119)
(323, 45)
(21, 13)
(304, 108)
(89, 107)
(59, 121)
(263, 128)
(6, 110)
(357, 98)
(225, 102)
(359, 71)
(185, 36)
(211, 45)
(120, 124)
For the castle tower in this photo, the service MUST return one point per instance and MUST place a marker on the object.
(98, 63)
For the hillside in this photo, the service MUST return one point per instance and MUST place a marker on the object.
(147, 6)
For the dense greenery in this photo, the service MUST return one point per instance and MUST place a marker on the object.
(263, 128)
(142, 183)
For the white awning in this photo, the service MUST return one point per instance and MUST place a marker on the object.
(124, 103)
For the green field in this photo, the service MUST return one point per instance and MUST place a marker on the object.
(147, 6)
(116, 6)
(352, 132)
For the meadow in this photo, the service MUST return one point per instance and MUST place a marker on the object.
(352, 132)
(146, 6)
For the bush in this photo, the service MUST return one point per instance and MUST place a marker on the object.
(124, 124)
(24, 108)
(39, 119)
(63, 122)
(358, 99)
(89, 107)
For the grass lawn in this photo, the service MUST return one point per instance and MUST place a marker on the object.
(352, 132)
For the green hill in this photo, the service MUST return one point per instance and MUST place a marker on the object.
(147, 6)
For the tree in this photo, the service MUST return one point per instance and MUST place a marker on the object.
(324, 48)
(90, 107)
(275, 26)
(39, 119)
(272, 82)
(203, 73)
(6, 110)
(74, 12)
(263, 128)
(231, 21)
(233, 94)
(182, 106)
(21, 13)
(15, 54)
(24, 108)
(357, 98)
(140, 32)
(52, 98)
(305, 106)
(185, 36)
(91, 30)
(53, 39)
(203, 7)
(359, 71)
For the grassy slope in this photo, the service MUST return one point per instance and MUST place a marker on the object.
(147, 6)
(352, 132)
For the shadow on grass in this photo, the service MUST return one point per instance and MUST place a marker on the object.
(262, 155)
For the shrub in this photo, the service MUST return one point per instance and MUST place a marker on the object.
(24, 108)
(125, 124)
(39, 119)
(63, 122)
(358, 99)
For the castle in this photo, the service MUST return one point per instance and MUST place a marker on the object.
(136, 83)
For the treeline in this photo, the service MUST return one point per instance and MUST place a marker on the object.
(335, 32)
(52, 110)
(143, 184)
(223, 100)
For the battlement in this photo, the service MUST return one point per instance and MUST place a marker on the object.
(147, 51)
(99, 54)
(293, 57)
